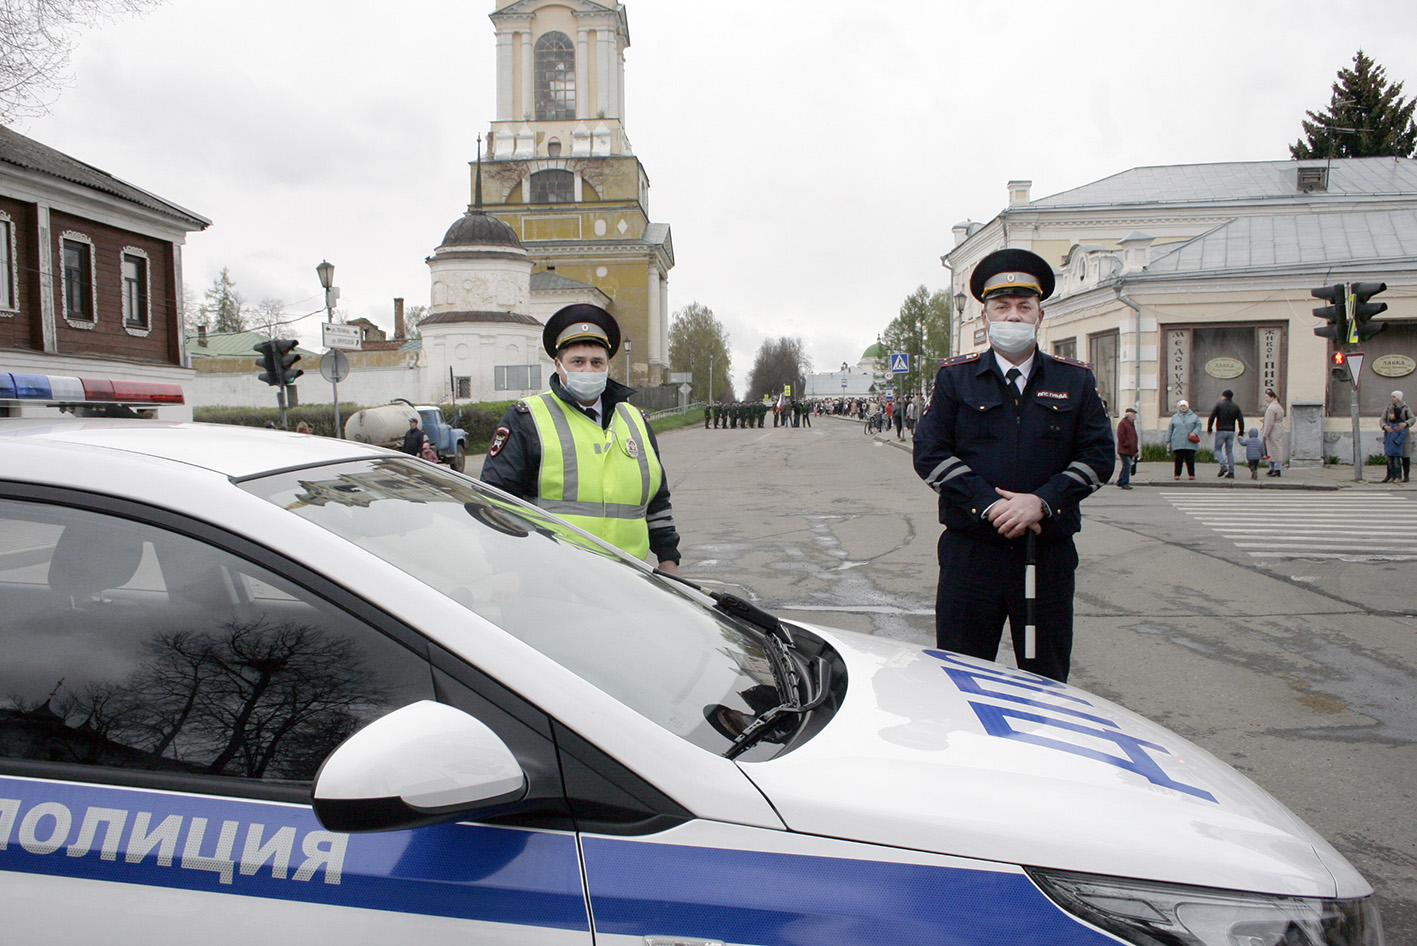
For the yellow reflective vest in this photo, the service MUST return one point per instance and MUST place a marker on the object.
(598, 479)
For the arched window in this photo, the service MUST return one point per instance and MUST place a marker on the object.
(553, 186)
(555, 78)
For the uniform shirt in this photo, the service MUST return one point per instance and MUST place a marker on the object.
(1054, 440)
(513, 463)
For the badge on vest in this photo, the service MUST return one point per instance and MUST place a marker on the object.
(632, 448)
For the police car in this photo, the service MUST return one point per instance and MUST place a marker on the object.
(262, 687)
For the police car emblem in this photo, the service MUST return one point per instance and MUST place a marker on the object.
(499, 440)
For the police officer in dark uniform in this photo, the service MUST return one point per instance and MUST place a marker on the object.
(581, 339)
(1013, 440)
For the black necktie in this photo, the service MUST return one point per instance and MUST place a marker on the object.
(1010, 375)
(590, 412)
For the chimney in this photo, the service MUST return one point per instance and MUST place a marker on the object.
(1018, 192)
(398, 318)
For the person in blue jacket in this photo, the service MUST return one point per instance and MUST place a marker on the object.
(1013, 440)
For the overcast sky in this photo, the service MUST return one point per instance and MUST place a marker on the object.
(810, 157)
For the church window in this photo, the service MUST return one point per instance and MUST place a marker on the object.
(553, 186)
(555, 78)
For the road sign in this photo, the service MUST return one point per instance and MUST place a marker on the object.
(334, 365)
(900, 362)
(334, 335)
(843, 384)
(1355, 365)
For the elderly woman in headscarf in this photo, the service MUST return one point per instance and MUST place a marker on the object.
(1273, 432)
(1396, 415)
(1182, 436)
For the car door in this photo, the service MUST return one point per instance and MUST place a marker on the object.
(168, 693)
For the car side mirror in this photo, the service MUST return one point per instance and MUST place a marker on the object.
(421, 764)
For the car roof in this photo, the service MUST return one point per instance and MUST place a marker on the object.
(233, 451)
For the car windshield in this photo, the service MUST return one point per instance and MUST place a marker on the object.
(654, 647)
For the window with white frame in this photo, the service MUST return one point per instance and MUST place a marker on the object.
(516, 377)
(9, 296)
(555, 67)
(137, 301)
(78, 283)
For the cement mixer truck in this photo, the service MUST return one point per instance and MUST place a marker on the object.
(386, 426)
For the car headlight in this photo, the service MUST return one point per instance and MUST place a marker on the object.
(1155, 914)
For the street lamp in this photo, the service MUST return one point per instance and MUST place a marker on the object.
(960, 300)
(326, 272)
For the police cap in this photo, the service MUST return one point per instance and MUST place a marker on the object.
(581, 322)
(1012, 272)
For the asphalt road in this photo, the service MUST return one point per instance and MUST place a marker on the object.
(1298, 669)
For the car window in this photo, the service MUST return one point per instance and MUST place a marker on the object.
(658, 650)
(134, 647)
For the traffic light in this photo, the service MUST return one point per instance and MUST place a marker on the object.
(1363, 327)
(1335, 313)
(277, 361)
(267, 361)
(1338, 367)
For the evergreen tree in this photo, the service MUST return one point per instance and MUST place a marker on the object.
(225, 309)
(698, 344)
(922, 330)
(1366, 118)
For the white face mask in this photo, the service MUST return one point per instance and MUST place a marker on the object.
(1012, 337)
(585, 386)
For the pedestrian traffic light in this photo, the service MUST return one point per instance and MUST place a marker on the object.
(1362, 325)
(1335, 313)
(278, 360)
(1338, 367)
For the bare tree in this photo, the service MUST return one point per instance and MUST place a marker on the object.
(36, 40)
(780, 362)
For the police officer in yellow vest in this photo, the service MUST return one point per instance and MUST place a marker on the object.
(581, 450)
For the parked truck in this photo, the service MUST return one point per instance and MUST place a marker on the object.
(387, 425)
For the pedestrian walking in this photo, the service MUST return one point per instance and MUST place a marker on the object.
(1227, 422)
(1254, 451)
(1273, 432)
(1182, 436)
(1013, 440)
(1127, 446)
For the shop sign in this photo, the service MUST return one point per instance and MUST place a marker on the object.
(1394, 366)
(1225, 368)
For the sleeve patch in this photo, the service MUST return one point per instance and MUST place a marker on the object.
(499, 440)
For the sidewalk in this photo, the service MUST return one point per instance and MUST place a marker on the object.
(1158, 473)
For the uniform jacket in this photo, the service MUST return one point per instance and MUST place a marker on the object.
(513, 463)
(1126, 437)
(1183, 424)
(978, 433)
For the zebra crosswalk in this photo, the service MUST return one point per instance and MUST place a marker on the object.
(1351, 526)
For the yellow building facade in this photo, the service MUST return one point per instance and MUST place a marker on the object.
(560, 170)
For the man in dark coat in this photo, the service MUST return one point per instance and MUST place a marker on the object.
(1013, 440)
(412, 438)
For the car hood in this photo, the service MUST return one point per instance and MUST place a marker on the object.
(938, 752)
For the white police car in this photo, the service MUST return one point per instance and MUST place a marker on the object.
(268, 687)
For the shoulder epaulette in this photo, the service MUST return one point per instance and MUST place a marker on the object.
(1073, 361)
(961, 359)
(521, 407)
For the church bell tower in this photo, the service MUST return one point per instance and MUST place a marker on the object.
(561, 172)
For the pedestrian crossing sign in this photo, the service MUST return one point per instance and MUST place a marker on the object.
(900, 362)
